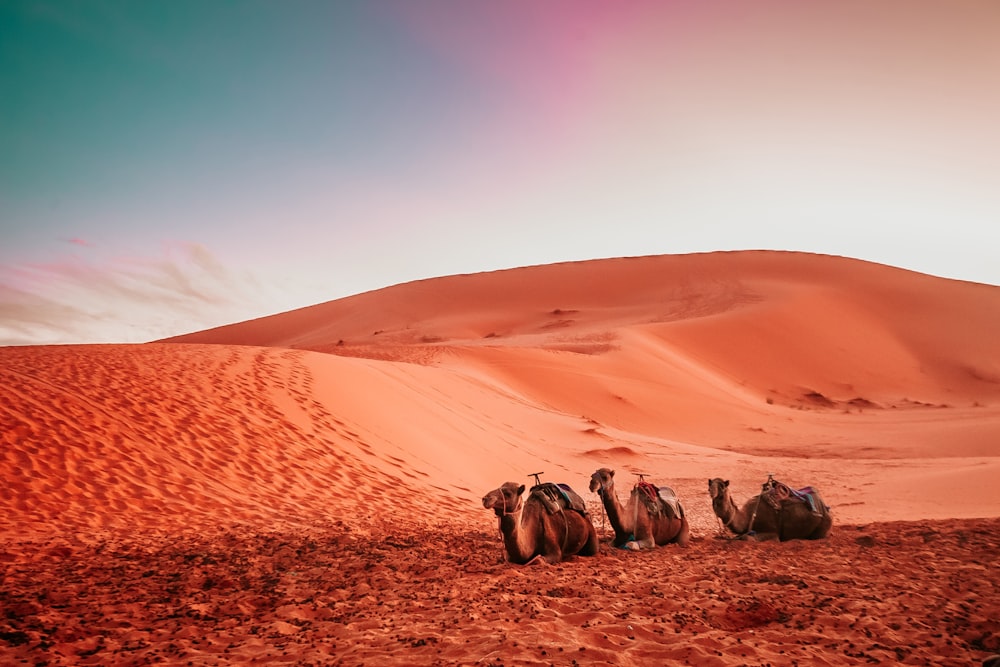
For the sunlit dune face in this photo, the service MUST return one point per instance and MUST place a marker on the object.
(505, 500)
(721, 362)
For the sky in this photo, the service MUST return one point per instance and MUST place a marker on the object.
(168, 166)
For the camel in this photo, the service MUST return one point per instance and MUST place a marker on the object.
(544, 527)
(784, 514)
(653, 517)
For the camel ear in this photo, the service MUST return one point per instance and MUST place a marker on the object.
(726, 484)
(520, 490)
(612, 473)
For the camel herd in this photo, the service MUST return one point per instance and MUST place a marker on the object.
(552, 524)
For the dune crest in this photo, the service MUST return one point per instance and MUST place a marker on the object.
(360, 433)
(728, 364)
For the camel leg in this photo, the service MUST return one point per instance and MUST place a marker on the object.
(552, 547)
(684, 537)
(648, 543)
(763, 537)
(644, 532)
(593, 543)
(823, 529)
(551, 556)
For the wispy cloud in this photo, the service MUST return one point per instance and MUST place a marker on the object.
(80, 299)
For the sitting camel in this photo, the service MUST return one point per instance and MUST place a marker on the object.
(549, 526)
(653, 516)
(776, 513)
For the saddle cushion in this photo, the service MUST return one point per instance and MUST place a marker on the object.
(670, 499)
(780, 492)
(659, 499)
(557, 497)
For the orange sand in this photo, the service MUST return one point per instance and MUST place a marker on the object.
(304, 488)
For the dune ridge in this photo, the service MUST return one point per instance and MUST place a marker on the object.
(300, 440)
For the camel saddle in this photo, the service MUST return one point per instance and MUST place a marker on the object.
(659, 499)
(780, 492)
(557, 497)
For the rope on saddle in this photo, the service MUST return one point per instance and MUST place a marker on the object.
(649, 490)
(565, 540)
(753, 517)
(557, 497)
(767, 492)
(776, 494)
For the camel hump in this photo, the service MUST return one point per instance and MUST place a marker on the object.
(557, 497)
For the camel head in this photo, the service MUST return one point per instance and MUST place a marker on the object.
(603, 481)
(505, 500)
(718, 488)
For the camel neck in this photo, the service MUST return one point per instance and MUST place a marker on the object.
(616, 515)
(727, 511)
(513, 538)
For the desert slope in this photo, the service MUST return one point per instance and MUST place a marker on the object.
(684, 367)
(791, 358)
(776, 321)
(265, 488)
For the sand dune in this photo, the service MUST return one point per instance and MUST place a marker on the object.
(351, 442)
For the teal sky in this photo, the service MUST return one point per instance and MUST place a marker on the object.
(167, 166)
(133, 97)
